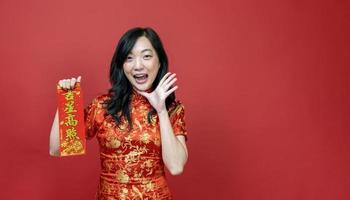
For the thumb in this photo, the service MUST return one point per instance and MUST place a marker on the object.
(79, 79)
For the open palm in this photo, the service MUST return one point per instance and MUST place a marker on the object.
(163, 90)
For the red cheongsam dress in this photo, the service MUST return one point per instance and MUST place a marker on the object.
(131, 161)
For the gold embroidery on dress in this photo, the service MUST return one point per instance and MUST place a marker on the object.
(131, 162)
(122, 176)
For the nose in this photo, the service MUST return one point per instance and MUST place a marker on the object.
(138, 65)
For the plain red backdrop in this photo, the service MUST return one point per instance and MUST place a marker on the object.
(265, 85)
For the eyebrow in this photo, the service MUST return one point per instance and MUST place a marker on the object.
(142, 51)
(146, 50)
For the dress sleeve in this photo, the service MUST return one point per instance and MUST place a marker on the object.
(178, 120)
(90, 119)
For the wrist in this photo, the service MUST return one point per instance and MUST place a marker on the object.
(162, 112)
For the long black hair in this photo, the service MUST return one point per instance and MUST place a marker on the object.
(118, 106)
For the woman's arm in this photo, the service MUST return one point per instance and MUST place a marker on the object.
(54, 137)
(174, 150)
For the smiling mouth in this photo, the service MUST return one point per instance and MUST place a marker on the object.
(141, 78)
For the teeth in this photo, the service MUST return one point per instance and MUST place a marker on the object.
(140, 75)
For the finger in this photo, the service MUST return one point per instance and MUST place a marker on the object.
(66, 84)
(72, 82)
(79, 79)
(60, 84)
(169, 79)
(163, 79)
(167, 86)
(170, 91)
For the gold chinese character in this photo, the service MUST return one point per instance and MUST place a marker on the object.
(70, 121)
(69, 95)
(71, 133)
(69, 107)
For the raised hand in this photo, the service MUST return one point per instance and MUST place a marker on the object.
(163, 90)
(67, 84)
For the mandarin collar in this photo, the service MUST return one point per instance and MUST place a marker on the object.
(138, 97)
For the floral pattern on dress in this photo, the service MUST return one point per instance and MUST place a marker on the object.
(131, 161)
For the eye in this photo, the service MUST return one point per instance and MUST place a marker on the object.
(129, 58)
(147, 57)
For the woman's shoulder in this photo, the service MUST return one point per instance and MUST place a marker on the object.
(177, 103)
(103, 97)
(176, 107)
(100, 99)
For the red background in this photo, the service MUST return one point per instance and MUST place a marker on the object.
(265, 85)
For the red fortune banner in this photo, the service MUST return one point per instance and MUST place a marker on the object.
(71, 121)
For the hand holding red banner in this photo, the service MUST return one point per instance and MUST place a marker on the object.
(71, 118)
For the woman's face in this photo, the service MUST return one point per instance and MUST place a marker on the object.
(142, 64)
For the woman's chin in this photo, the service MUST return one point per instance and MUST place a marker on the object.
(142, 88)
